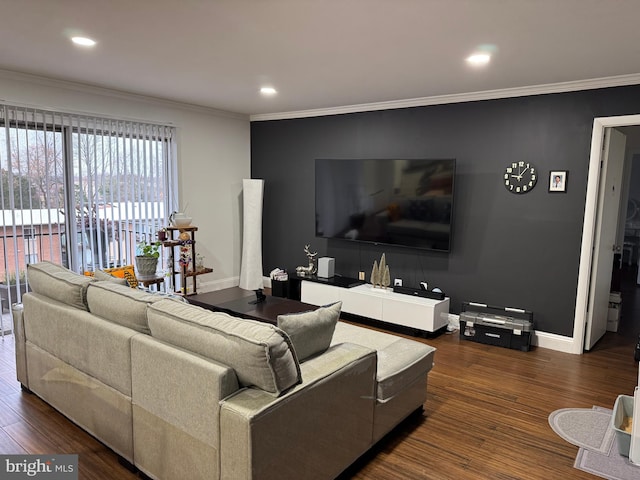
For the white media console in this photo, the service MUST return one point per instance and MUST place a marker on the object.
(385, 305)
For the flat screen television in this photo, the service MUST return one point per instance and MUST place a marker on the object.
(386, 201)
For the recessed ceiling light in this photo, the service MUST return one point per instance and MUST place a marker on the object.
(479, 58)
(84, 41)
(268, 91)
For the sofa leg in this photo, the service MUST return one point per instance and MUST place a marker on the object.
(24, 388)
(418, 415)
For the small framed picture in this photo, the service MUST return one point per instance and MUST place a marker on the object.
(558, 181)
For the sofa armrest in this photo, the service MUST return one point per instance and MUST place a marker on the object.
(315, 430)
(20, 347)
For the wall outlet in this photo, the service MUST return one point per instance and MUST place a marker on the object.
(360, 275)
(397, 282)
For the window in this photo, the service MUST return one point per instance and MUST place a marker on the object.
(80, 190)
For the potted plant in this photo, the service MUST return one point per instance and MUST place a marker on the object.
(9, 288)
(147, 258)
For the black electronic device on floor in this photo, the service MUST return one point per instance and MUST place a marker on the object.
(500, 326)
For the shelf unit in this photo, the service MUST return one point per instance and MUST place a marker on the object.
(420, 313)
(183, 272)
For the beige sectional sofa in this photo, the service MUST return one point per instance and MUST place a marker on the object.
(183, 392)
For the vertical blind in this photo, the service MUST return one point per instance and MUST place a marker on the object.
(80, 190)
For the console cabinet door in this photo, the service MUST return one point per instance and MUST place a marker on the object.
(353, 301)
(420, 313)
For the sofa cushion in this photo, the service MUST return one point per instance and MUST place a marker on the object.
(261, 354)
(120, 304)
(400, 360)
(59, 283)
(311, 332)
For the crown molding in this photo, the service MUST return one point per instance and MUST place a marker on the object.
(590, 84)
(107, 92)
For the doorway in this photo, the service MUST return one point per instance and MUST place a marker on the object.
(591, 228)
(627, 280)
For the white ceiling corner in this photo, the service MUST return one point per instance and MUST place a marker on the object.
(334, 56)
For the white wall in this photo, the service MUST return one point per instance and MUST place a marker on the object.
(213, 157)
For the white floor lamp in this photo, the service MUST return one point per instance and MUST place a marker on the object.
(251, 265)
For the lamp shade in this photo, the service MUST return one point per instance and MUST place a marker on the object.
(251, 265)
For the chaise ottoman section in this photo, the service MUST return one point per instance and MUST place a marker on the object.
(402, 371)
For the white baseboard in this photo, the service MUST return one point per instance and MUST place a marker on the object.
(552, 341)
(223, 283)
(219, 284)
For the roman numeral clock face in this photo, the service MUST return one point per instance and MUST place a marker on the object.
(520, 177)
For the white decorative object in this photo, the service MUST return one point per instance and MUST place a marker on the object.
(326, 267)
(179, 219)
(251, 264)
(380, 275)
(375, 274)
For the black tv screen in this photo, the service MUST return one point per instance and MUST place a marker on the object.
(386, 201)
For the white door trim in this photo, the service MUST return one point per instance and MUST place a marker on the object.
(588, 229)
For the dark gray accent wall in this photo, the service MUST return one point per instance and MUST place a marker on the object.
(508, 250)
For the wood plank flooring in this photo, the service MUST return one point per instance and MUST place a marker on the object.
(485, 415)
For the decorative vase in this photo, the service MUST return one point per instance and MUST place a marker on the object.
(146, 266)
(179, 219)
(199, 263)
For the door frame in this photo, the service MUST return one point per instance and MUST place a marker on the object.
(589, 226)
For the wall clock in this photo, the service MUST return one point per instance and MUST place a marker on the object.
(520, 177)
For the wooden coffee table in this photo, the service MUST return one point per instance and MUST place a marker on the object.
(236, 301)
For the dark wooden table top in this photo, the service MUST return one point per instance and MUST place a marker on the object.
(239, 302)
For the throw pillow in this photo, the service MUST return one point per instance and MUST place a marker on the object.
(127, 272)
(107, 277)
(311, 332)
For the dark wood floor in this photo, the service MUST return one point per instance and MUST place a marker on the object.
(485, 416)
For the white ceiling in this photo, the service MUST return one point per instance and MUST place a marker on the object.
(319, 54)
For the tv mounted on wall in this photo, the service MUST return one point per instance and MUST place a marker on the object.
(386, 201)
